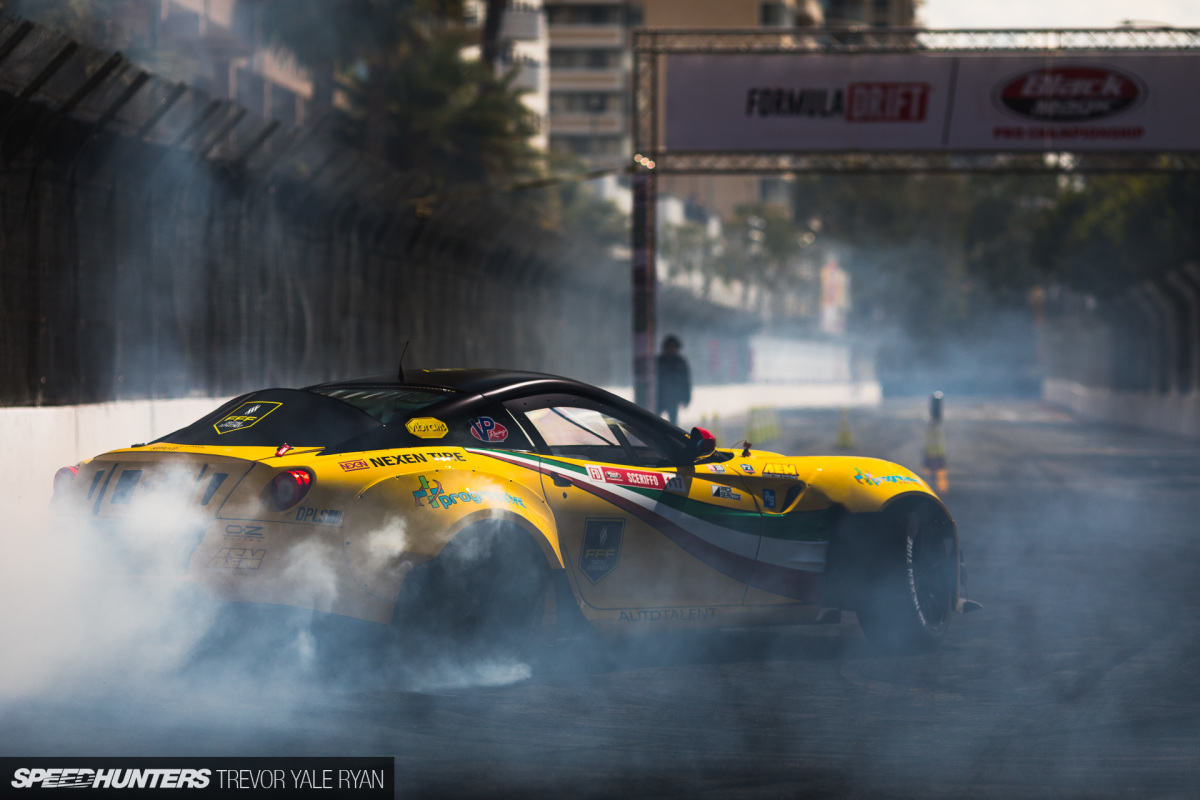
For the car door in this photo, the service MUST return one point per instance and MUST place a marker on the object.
(638, 532)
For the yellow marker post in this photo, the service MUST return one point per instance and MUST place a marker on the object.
(845, 437)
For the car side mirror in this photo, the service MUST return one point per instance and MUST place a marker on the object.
(701, 443)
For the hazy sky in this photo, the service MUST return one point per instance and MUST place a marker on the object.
(1056, 13)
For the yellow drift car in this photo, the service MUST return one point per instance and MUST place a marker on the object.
(517, 507)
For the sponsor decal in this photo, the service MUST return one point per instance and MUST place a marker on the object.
(780, 101)
(716, 468)
(350, 466)
(398, 459)
(877, 101)
(780, 471)
(236, 559)
(319, 516)
(84, 778)
(725, 493)
(888, 102)
(667, 614)
(601, 547)
(427, 427)
(486, 429)
(768, 498)
(438, 497)
(746, 468)
(447, 456)
(638, 478)
(675, 484)
(868, 479)
(1070, 93)
(241, 531)
(244, 416)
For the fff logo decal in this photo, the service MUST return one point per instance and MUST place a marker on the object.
(601, 547)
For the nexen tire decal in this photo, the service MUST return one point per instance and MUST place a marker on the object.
(802, 582)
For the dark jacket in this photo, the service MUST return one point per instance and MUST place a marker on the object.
(674, 381)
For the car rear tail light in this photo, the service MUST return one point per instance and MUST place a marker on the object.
(64, 477)
(289, 488)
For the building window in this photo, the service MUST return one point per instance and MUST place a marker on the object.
(585, 102)
(775, 15)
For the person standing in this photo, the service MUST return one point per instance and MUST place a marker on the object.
(674, 379)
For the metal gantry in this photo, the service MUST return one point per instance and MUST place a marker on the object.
(652, 46)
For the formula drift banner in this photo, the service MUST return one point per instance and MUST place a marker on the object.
(359, 778)
(928, 101)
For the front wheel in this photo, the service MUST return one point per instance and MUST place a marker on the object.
(908, 606)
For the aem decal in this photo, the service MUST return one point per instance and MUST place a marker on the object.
(486, 429)
(601, 547)
(237, 559)
(244, 416)
(427, 427)
(1073, 93)
(781, 471)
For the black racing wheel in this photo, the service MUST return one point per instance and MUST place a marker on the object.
(909, 602)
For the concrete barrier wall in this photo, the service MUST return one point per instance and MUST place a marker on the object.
(1177, 414)
(39, 441)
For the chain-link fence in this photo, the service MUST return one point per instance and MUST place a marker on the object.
(157, 241)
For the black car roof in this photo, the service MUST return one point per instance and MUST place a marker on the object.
(471, 381)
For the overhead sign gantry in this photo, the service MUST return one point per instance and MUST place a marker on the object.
(899, 100)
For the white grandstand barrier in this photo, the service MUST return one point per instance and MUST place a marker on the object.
(1177, 414)
(38, 441)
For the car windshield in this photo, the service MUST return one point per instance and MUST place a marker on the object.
(387, 404)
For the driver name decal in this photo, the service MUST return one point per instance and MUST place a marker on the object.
(601, 547)
(244, 416)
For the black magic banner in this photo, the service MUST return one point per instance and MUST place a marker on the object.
(358, 778)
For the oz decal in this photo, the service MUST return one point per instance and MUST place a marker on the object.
(244, 416)
(486, 429)
(601, 547)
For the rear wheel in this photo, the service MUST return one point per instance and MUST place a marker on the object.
(909, 604)
(483, 596)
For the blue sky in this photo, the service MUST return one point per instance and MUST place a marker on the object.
(1056, 13)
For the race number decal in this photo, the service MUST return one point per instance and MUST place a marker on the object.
(246, 415)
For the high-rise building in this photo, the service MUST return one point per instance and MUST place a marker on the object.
(524, 43)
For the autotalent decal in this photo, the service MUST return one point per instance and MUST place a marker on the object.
(793, 568)
(244, 416)
(427, 427)
(486, 429)
(601, 547)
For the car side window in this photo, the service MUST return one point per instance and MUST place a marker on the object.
(587, 433)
